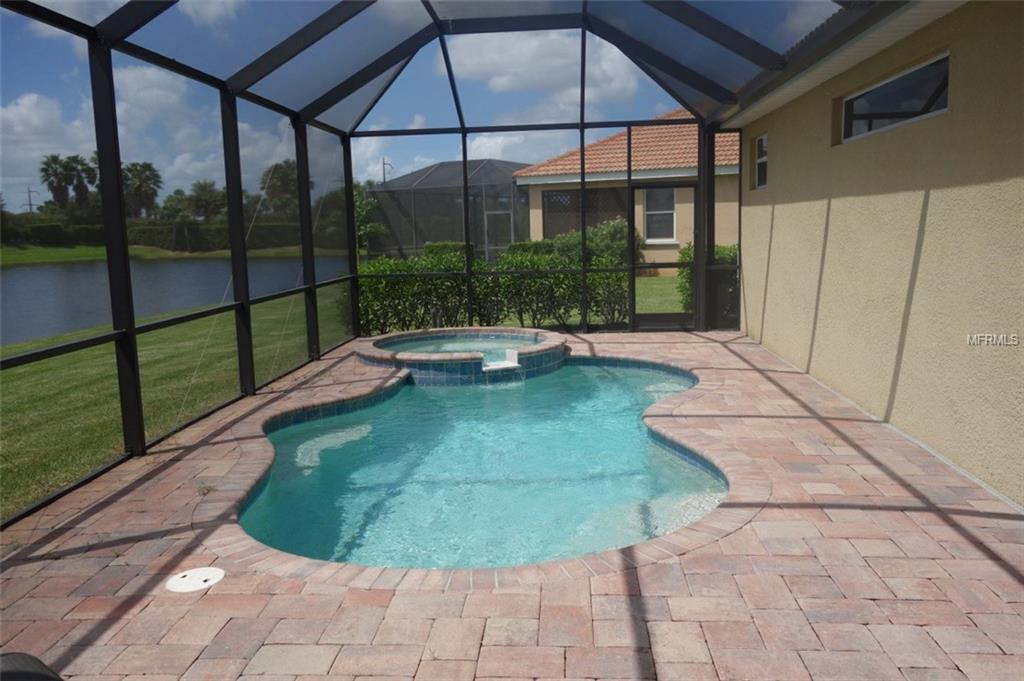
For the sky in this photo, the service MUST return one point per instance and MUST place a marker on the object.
(502, 78)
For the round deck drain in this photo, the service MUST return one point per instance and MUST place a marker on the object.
(194, 580)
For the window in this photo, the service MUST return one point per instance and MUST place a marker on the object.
(761, 161)
(561, 212)
(922, 91)
(660, 215)
(562, 208)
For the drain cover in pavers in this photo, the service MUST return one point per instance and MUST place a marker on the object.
(194, 580)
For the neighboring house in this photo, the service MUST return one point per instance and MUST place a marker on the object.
(665, 156)
(425, 206)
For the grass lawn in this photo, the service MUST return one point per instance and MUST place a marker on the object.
(11, 256)
(657, 294)
(61, 417)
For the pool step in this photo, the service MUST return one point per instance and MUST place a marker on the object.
(511, 362)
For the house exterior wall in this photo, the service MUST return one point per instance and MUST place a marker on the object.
(869, 263)
(726, 215)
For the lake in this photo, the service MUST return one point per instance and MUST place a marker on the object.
(37, 301)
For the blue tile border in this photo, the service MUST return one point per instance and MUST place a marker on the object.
(323, 411)
(631, 363)
(689, 456)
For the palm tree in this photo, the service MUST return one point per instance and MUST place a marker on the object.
(142, 184)
(53, 172)
(279, 185)
(81, 175)
(206, 200)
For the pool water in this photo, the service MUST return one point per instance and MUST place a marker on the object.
(493, 348)
(483, 475)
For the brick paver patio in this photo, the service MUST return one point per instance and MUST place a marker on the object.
(844, 551)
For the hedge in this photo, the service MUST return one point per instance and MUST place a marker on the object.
(403, 301)
(171, 237)
(535, 283)
(201, 238)
(606, 242)
(444, 248)
(685, 275)
(51, 234)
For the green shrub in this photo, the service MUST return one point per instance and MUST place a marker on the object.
(18, 233)
(12, 233)
(724, 254)
(536, 283)
(536, 297)
(609, 292)
(89, 235)
(404, 301)
(157, 236)
(607, 241)
(185, 235)
(444, 248)
(489, 304)
(544, 247)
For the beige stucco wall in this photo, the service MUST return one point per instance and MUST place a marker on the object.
(726, 216)
(868, 263)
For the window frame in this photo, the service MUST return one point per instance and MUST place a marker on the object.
(843, 139)
(648, 212)
(758, 160)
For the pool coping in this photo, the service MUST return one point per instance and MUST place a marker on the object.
(217, 514)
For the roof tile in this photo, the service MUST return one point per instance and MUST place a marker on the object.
(654, 148)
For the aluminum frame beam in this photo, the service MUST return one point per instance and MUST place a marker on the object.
(119, 277)
(447, 63)
(641, 52)
(406, 48)
(721, 33)
(290, 47)
(129, 18)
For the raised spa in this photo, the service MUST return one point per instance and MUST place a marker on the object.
(482, 475)
(466, 356)
(493, 346)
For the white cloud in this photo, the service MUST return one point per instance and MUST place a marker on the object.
(366, 155)
(156, 123)
(147, 95)
(518, 62)
(31, 127)
(524, 147)
(611, 76)
(419, 121)
(325, 162)
(262, 147)
(209, 12)
(415, 163)
(542, 70)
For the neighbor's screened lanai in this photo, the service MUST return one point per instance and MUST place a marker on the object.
(219, 198)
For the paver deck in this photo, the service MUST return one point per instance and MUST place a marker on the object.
(844, 551)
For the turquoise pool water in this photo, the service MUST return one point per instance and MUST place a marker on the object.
(483, 475)
(493, 348)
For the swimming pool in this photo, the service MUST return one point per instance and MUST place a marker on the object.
(484, 475)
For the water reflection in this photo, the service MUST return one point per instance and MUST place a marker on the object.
(37, 301)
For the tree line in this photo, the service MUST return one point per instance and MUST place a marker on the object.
(73, 184)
